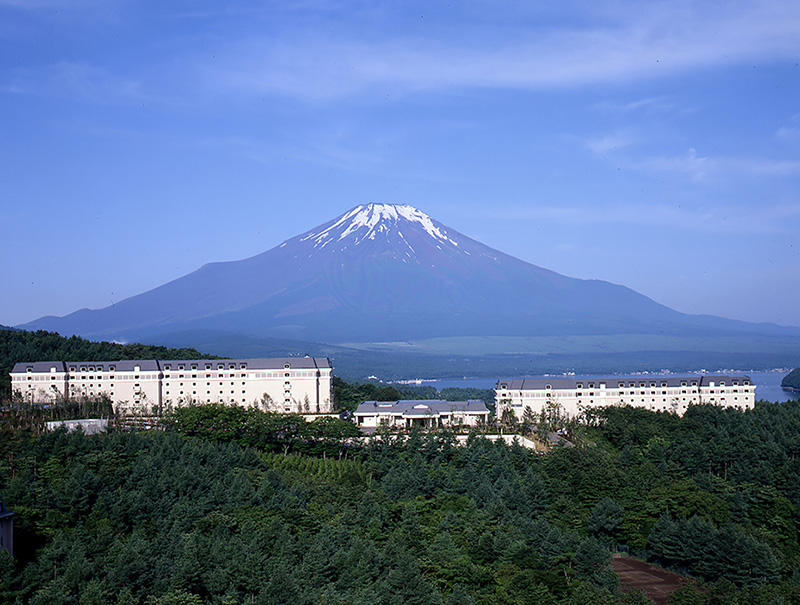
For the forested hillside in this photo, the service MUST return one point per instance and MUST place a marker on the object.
(209, 512)
(792, 380)
(19, 345)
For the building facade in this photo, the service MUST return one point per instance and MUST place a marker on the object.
(286, 384)
(658, 393)
(424, 413)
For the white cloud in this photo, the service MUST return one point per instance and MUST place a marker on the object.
(700, 168)
(609, 143)
(631, 45)
(766, 218)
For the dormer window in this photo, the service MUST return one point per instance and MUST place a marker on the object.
(286, 366)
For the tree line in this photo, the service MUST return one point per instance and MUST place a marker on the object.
(41, 345)
(230, 505)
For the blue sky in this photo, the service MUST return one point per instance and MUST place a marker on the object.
(650, 144)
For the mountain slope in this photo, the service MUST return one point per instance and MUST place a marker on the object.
(384, 272)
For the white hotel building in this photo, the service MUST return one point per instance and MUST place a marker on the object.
(288, 384)
(657, 393)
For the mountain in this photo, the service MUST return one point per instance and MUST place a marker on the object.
(389, 273)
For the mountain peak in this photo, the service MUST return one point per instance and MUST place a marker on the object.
(366, 221)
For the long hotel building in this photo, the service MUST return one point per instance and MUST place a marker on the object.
(288, 384)
(658, 393)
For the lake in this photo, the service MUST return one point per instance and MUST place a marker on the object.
(768, 384)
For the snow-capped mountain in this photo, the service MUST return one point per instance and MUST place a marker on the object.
(381, 272)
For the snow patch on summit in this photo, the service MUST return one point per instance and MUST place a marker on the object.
(365, 221)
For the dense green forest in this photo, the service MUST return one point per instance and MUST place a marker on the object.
(19, 345)
(236, 506)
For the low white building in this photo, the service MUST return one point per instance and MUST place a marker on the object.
(423, 413)
(659, 393)
(90, 426)
(286, 384)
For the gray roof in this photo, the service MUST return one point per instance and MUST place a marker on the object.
(123, 365)
(38, 366)
(259, 363)
(420, 407)
(4, 512)
(613, 382)
(152, 365)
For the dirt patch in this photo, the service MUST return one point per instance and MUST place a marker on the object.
(656, 582)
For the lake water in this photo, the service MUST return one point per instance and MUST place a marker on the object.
(768, 384)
